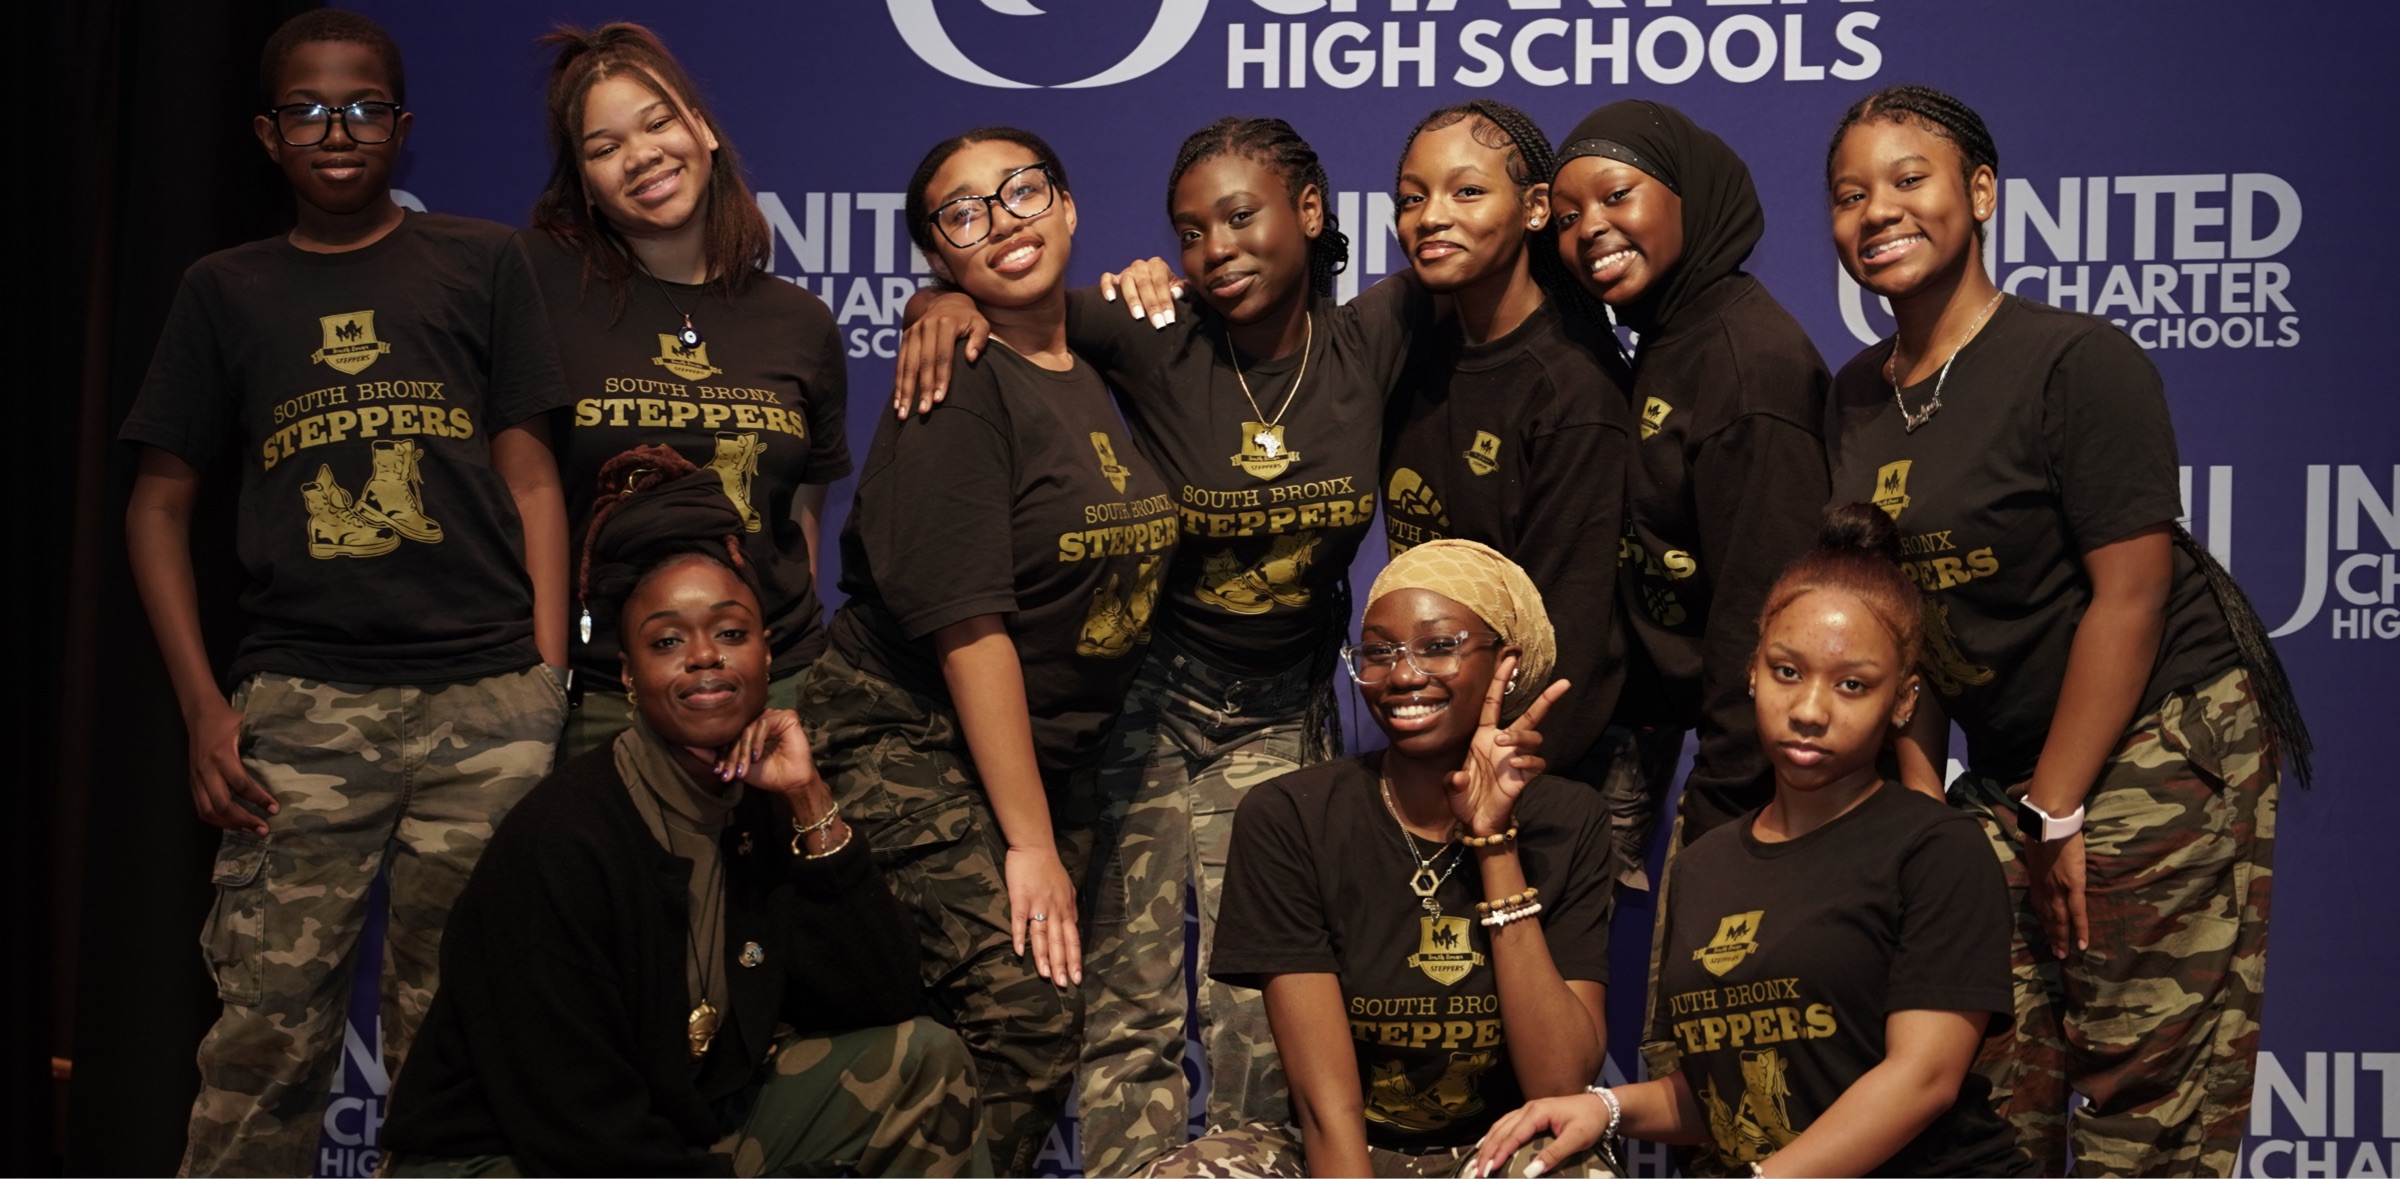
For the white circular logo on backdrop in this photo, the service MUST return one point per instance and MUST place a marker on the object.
(921, 27)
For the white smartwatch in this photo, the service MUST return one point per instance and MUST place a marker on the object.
(2040, 826)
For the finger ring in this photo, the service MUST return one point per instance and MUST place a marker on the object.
(1041, 916)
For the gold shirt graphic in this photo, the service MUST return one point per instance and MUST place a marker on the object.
(1110, 469)
(1737, 937)
(388, 508)
(1654, 417)
(350, 343)
(1117, 622)
(736, 464)
(1410, 495)
(689, 363)
(1264, 452)
(1395, 1100)
(1483, 457)
(1759, 1122)
(1256, 588)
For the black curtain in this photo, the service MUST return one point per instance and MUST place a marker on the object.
(137, 158)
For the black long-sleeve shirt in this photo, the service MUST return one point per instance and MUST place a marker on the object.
(558, 1035)
(1728, 485)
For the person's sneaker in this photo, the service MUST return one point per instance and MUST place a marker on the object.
(394, 491)
(336, 525)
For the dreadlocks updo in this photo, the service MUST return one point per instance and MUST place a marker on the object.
(654, 508)
(1273, 142)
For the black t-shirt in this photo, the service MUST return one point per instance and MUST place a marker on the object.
(363, 389)
(759, 401)
(1273, 500)
(1021, 496)
(1729, 401)
(1317, 882)
(1521, 443)
(2053, 439)
(1782, 960)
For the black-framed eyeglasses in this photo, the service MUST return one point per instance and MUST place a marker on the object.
(1027, 192)
(306, 124)
(1436, 657)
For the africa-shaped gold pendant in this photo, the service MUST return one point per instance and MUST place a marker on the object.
(702, 1028)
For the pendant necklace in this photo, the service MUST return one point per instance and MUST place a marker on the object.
(701, 1026)
(1268, 433)
(1891, 372)
(1423, 881)
(688, 337)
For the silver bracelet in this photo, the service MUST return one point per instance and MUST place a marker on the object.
(1616, 1109)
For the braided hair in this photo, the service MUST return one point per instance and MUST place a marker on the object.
(655, 506)
(2278, 705)
(1274, 143)
(1936, 111)
(1528, 161)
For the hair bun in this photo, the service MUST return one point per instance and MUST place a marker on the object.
(1860, 527)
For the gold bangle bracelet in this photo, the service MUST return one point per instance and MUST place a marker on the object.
(802, 831)
(847, 834)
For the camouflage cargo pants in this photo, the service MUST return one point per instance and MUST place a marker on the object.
(2157, 1023)
(1192, 741)
(1263, 1150)
(896, 1100)
(413, 780)
(900, 769)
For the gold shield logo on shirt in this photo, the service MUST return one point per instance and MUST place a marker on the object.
(1736, 937)
(689, 363)
(1484, 456)
(350, 343)
(1443, 951)
(1264, 453)
(1654, 417)
(1109, 466)
(1891, 488)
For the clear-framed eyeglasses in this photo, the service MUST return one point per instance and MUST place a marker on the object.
(1436, 657)
(1027, 192)
(306, 124)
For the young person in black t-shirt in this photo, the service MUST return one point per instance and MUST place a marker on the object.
(1655, 216)
(1429, 923)
(1002, 562)
(677, 959)
(1513, 429)
(1262, 406)
(649, 251)
(382, 375)
(2124, 712)
(1832, 959)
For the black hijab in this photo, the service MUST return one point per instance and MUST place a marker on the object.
(653, 514)
(1722, 219)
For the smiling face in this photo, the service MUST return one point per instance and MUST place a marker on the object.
(1905, 211)
(646, 159)
(1462, 218)
(1024, 259)
(695, 653)
(341, 175)
(1829, 689)
(1425, 718)
(1620, 229)
(1245, 239)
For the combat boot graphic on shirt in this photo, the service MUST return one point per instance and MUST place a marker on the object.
(1457, 1093)
(1114, 625)
(394, 491)
(735, 463)
(1944, 663)
(337, 527)
(1226, 584)
(1764, 1120)
(1285, 564)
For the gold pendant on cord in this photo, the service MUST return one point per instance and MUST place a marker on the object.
(702, 1028)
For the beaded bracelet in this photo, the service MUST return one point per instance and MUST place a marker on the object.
(1507, 902)
(1501, 917)
(801, 831)
(1494, 839)
(1616, 1108)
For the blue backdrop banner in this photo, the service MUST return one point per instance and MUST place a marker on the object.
(2191, 169)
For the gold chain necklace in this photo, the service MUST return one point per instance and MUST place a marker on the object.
(1269, 439)
(701, 1026)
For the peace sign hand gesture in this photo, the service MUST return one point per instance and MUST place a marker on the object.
(1500, 761)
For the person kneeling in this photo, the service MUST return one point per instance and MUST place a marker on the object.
(674, 960)
(1430, 923)
(1832, 958)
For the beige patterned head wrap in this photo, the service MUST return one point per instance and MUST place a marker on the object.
(1477, 577)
